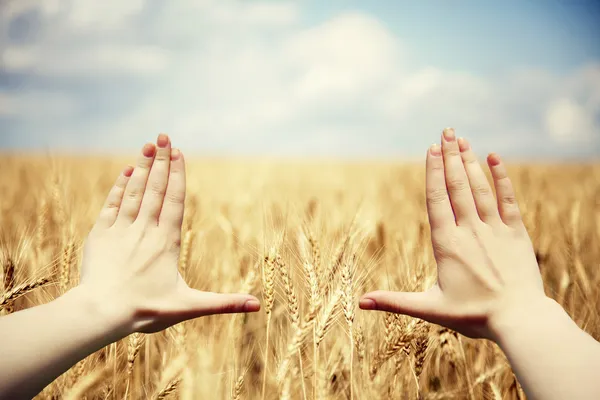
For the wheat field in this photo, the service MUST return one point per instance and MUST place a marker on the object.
(307, 238)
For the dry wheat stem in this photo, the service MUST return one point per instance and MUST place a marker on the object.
(85, 386)
(269, 297)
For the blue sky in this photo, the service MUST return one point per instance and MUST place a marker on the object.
(312, 78)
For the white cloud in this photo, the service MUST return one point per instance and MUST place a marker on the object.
(239, 75)
(114, 59)
(342, 58)
(103, 15)
(567, 121)
(37, 105)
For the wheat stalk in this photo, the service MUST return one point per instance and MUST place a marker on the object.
(268, 279)
(348, 307)
(85, 386)
(134, 344)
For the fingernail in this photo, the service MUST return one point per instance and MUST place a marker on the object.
(494, 159)
(128, 171)
(148, 150)
(367, 304)
(463, 145)
(449, 134)
(435, 150)
(175, 154)
(252, 306)
(162, 141)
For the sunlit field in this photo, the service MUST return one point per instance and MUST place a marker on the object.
(307, 239)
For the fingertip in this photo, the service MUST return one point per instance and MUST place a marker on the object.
(366, 303)
(435, 150)
(493, 159)
(463, 144)
(176, 154)
(149, 150)
(128, 171)
(252, 305)
(162, 140)
(449, 135)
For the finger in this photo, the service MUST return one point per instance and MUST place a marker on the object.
(132, 199)
(196, 303)
(456, 179)
(158, 178)
(480, 187)
(438, 202)
(171, 216)
(111, 206)
(424, 305)
(507, 202)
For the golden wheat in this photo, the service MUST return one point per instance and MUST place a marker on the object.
(325, 233)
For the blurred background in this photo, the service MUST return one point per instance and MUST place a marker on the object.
(332, 79)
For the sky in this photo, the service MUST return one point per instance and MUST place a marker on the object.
(305, 78)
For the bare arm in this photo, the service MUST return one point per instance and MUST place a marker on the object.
(40, 343)
(550, 355)
(489, 284)
(129, 281)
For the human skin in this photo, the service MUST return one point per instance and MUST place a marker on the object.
(489, 285)
(129, 280)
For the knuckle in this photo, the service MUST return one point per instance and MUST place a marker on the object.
(509, 199)
(470, 161)
(437, 195)
(121, 183)
(229, 307)
(177, 174)
(457, 184)
(481, 190)
(436, 164)
(175, 245)
(158, 189)
(113, 205)
(444, 243)
(134, 193)
(452, 151)
(162, 156)
(175, 197)
(144, 164)
(441, 250)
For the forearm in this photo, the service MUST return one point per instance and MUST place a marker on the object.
(551, 356)
(41, 343)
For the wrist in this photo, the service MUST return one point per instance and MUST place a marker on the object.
(514, 316)
(115, 319)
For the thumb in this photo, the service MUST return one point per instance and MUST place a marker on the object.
(199, 304)
(424, 305)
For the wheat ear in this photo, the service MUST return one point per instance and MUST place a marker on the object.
(21, 290)
(9, 280)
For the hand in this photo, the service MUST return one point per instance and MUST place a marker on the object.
(131, 255)
(485, 261)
